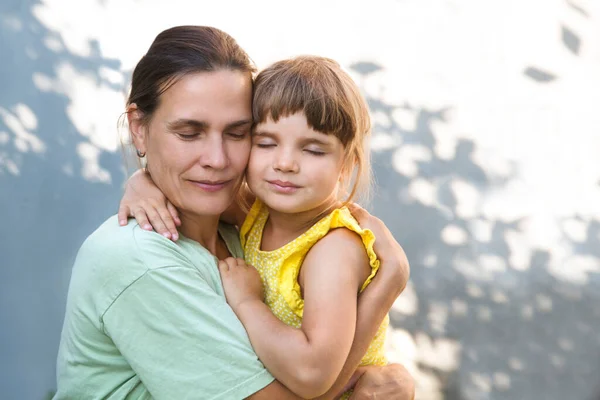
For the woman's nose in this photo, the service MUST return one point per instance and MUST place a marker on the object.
(215, 154)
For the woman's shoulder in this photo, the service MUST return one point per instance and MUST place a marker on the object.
(112, 239)
(114, 247)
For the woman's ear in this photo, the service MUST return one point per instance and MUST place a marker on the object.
(137, 128)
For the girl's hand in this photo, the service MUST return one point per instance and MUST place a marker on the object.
(394, 264)
(144, 201)
(241, 282)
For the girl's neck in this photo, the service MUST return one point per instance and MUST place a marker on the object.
(292, 225)
(204, 229)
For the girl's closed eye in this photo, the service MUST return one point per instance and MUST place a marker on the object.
(264, 143)
(315, 151)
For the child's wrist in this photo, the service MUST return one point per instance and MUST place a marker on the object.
(246, 306)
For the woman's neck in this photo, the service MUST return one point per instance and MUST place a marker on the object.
(292, 225)
(203, 229)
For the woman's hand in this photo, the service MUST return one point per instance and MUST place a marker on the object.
(394, 269)
(241, 282)
(389, 382)
(144, 201)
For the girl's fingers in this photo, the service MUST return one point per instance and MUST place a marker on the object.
(142, 219)
(123, 214)
(174, 213)
(231, 262)
(240, 262)
(157, 222)
(169, 224)
(223, 267)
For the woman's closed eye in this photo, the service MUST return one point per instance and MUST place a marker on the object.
(188, 135)
(237, 135)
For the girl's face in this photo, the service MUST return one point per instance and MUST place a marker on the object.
(198, 142)
(292, 167)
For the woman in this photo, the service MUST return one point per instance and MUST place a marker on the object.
(146, 317)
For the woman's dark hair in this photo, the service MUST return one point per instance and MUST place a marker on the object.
(179, 51)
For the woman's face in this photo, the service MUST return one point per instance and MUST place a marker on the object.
(197, 143)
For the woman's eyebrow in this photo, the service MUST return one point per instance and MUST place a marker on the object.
(239, 123)
(187, 123)
(201, 125)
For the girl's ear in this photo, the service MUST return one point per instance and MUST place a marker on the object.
(137, 127)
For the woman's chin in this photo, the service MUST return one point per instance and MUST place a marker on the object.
(209, 208)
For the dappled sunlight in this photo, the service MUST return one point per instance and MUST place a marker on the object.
(21, 122)
(406, 159)
(422, 355)
(408, 302)
(423, 191)
(94, 108)
(485, 152)
(454, 235)
(576, 269)
(86, 94)
(91, 170)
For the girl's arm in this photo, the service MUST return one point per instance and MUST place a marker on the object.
(306, 360)
(377, 299)
(144, 201)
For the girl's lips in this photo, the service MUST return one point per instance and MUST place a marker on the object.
(210, 186)
(283, 187)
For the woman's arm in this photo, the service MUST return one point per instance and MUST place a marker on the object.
(307, 360)
(390, 382)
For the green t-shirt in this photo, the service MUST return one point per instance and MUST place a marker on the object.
(147, 318)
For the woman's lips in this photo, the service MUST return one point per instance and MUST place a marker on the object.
(210, 186)
(283, 187)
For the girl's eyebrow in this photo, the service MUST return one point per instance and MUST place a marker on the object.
(264, 133)
(315, 141)
(304, 141)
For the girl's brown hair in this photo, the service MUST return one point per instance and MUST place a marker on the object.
(331, 102)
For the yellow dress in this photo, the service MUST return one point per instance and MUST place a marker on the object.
(279, 268)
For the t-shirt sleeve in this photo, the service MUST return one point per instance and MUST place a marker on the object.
(182, 339)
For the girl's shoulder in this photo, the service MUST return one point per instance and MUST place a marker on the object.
(344, 234)
(341, 218)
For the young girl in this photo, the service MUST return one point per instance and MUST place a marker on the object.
(308, 161)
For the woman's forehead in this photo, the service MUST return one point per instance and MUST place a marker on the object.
(222, 97)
